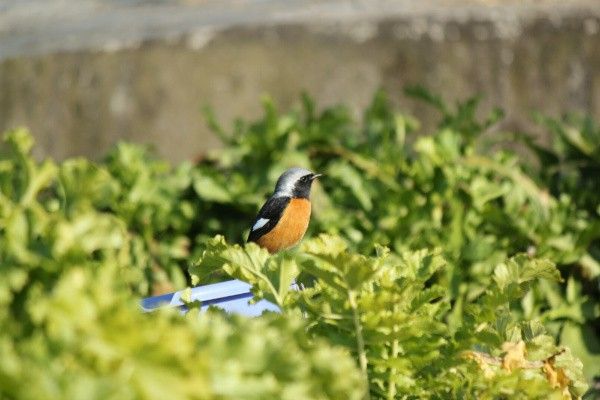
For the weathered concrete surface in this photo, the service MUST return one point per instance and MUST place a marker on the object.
(82, 74)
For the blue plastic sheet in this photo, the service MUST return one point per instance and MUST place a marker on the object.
(232, 296)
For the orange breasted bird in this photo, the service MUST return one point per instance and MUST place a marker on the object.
(283, 219)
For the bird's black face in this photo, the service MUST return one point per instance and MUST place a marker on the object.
(303, 185)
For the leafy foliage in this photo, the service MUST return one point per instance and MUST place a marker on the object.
(385, 186)
(388, 313)
(502, 303)
(133, 202)
(71, 327)
(572, 162)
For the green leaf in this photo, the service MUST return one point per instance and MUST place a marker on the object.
(537, 268)
(350, 177)
(585, 346)
(210, 190)
(484, 191)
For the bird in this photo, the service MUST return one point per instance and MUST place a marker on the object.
(283, 219)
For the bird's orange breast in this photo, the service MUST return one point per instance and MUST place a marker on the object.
(291, 227)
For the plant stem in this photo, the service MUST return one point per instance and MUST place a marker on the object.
(257, 272)
(392, 386)
(360, 342)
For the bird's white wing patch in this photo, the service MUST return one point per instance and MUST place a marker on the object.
(260, 223)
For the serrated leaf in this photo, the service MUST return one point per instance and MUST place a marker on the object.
(537, 268)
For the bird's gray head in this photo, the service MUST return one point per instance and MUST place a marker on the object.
(295, 182)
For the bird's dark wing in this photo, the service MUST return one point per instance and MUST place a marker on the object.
(271, 212)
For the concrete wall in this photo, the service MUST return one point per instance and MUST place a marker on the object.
(141, 71)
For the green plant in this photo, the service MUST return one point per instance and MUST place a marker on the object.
(388, 312)
(143, 197)
(385, 185)
(71, 323)
(571, 162)
(80, 242)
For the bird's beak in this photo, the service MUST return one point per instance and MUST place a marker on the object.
(315, 176)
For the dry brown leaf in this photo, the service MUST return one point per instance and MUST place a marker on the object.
(557, 378)
(515, 355)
